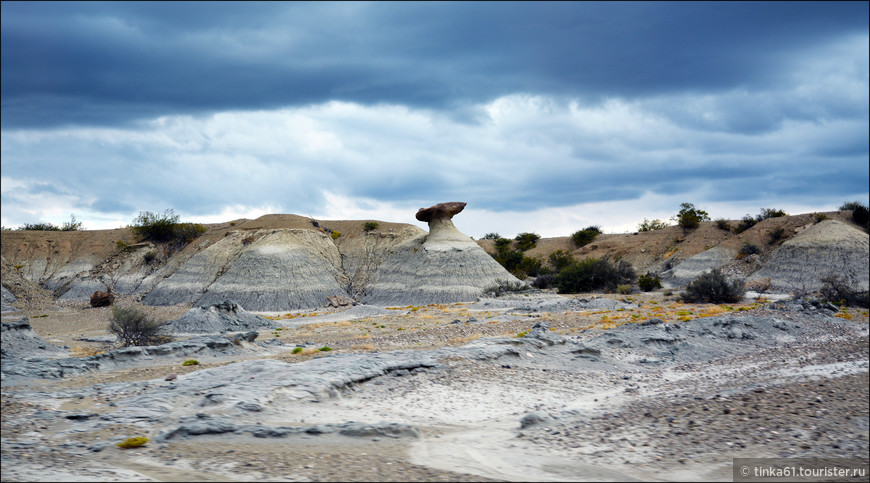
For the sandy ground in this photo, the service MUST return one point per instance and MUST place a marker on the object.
(478, 420)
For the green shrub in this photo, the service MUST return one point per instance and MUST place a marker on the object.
(690, 217)
(836, 289)
(371, 225)
(592, 274)
(713, 287)
(819, 217)
(190, 362)
(189, 231)
(514, 261)
(335, 235)
(648, 282)
(560, 259)
(770, 213)
(623, 289)
(530, 266)
(325, 349)
(723, 224)
(544, 280)
(296, 350)
(40, 227)
(653, 225)
(491, 236)
(154, 226)
(748, 249)
(164, 227)
(134, 328)
(746, 223)
(775, 235)
(527, 241)
(860, 213)
(582, 238)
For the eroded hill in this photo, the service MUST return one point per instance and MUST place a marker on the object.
(283, 262)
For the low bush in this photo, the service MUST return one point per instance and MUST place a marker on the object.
(371, 225)
(40, 227)
(748, 249)
(723, 224)
(71, 225)
(860, 212)
(335, 235)
(560, 259)
(491, 236)
(164, 227)
(690, 217)
(544, 280)
(770, 213)
(134, 328)
(190, 362)
(836, 289)
(775, 235)
(653, 225)
(648, 282)
(515, 261)
(746, 223)
(592, 274)
(527, 241)
(584, 237)
(713, 287)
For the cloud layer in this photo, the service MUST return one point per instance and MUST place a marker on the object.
(553, 116)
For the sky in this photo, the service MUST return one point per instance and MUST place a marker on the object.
(543, 117)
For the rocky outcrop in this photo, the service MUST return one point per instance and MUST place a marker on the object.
(8, 298)
(223, 317)
(827, 248)
(692, 267)
(443, 266)
(278, 270)
(19, 340)
(102, 299)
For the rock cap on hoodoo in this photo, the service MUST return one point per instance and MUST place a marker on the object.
(441, 210)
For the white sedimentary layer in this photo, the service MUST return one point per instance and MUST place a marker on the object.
(444, 266)
(827, 248)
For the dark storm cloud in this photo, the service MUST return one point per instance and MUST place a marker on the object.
(109, 63)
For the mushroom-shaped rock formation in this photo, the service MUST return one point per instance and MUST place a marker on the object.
(441, 228)
(443, 266)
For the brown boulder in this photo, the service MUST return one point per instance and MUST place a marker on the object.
(441, 210)
(102, 299)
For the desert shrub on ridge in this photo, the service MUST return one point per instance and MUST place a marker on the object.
(653, 225)
(690, 217)
(585, 236)
(527, 241)
(165, 227)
